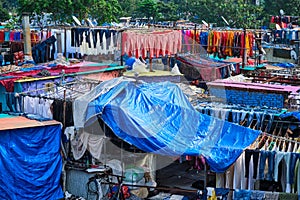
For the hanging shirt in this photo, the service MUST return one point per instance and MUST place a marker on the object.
(1, 36)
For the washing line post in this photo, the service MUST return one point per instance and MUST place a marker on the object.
(194, 39)
(150, 64)
(59, 42)
(65, 43)
(121, 42)
(64, 109)
(244, 59)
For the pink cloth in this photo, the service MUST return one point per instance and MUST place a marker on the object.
(11, 35)
(155, 43)
(256, 86)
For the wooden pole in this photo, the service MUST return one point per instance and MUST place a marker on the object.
(169, 62)
(244, 56)
(59, 42)
(150, 62)
(194, 39)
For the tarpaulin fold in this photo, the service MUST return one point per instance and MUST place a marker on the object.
(158, 118)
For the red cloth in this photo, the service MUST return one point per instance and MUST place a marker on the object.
(9, 83)
(1, 36)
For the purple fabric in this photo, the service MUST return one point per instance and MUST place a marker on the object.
(256, 86)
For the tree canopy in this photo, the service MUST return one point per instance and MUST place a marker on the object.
(3, 12)
(238, 13)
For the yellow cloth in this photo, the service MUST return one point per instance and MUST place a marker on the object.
(213, 195)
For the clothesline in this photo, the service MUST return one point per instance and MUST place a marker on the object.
(278, 137)
(45, 88)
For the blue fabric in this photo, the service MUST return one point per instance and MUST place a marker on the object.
(223, 192)
(270, 122)
(257, 195)
(37, 117)
(295, 115)
(129, 62)
(285, 65)
(242, 195)
(30, 163)
(158, 118)
(264, 155)
(294, 158)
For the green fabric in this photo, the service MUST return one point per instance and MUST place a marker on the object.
(18, 87)
(248, 68)
(6, 116)
(287, 196)
(261, 65)
(3, 98)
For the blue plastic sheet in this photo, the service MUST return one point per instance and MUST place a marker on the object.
(158, 118)
(284, 65)
(30, 163)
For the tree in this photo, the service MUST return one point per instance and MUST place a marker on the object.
(167, 11)
(290, 7)
(58, 11)
(106, 11)
(62, 10)
(237, 13)
(3, 13)
(128, 8)
(147, 8)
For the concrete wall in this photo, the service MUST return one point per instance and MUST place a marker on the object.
(269, 56)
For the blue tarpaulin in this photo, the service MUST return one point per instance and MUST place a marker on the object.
(30, 163)
(158, 118)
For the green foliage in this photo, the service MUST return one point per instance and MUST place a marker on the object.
(128, 8)
(147, 8)
(239, 13)
(104, 11)
(3, 15)
(290, 7)
(167, 11)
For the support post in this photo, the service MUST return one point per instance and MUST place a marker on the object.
(150, 64)
(59, 42)
(121, 48)
(245, 50)
(26, 35)
(65, 42)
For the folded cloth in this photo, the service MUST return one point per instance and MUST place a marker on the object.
(287, 196)
(242, 194)
(257, 195)
(271, 195)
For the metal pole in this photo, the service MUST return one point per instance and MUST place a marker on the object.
(26, 35)
(65, 42)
